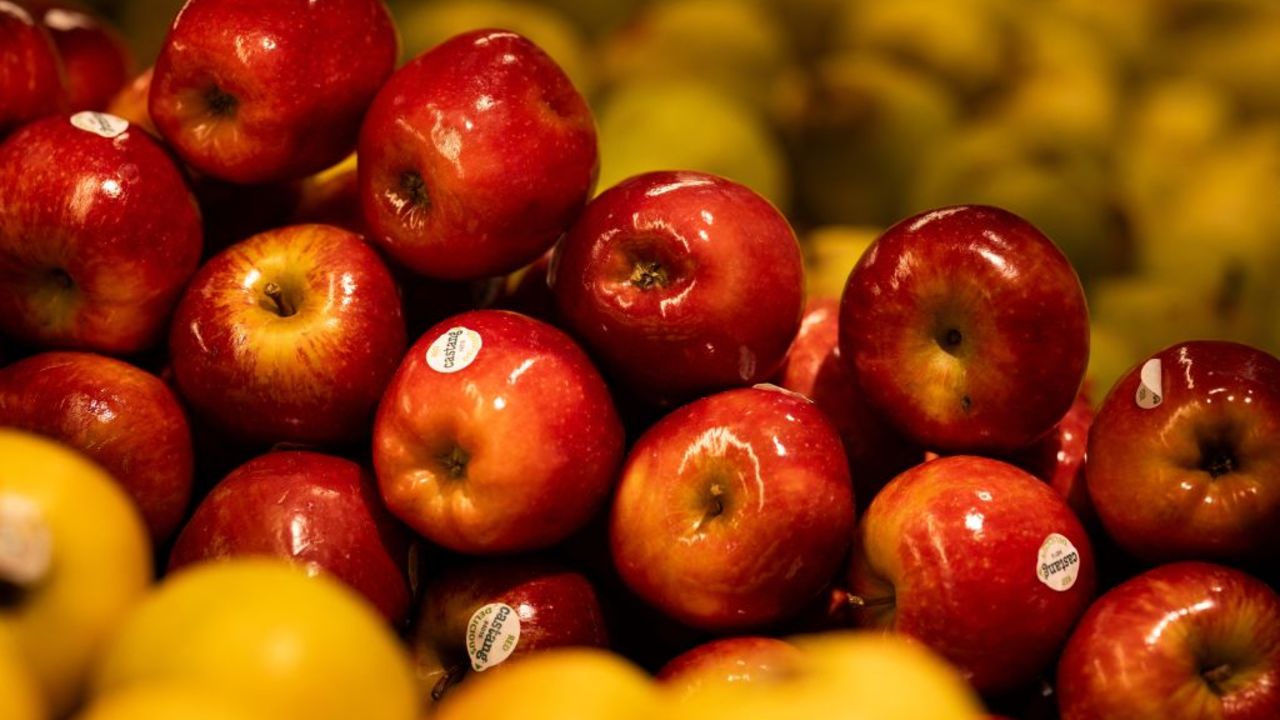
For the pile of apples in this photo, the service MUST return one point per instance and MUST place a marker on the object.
(433, 429)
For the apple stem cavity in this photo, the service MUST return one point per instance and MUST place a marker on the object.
(221, 103)
(452, 676)
(62, 278)
(649, 274)
(281, 304)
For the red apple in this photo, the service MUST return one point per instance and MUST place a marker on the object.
(682, 283)
(98, 234)
(475, 157)
(526, 291)
(529, 605)
(1181, 642)
(130, 102)
(1184, 456)
(968, 328)
(31, 79)
(94, 56)
(979, 560)
(126, 420)
(289, 336)
(742, 659)
(496, 435)
(733, 511)
(255, 91)
(332, 197)
(233, 212)
(317, 510)
(813, 367)
(1059, 458)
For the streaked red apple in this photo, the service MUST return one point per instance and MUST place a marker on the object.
(682, 283)
(475, 157)
(480, 615)
(255, 91)
(318, 510)
(1184, 641)
(31, 79)
(1059, 458)
(95, 58)
(98, 235)
(977, 559)
(289, 336)
(968, 328)
(123, 418)
(813, 367)
(734, 511)
(496, 435)
(1184, 455)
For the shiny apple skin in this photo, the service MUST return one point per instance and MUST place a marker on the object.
(94, 56)
(301, 74)
(1059, 459)
(734, 511)
(813, 367)
(1146, 649)
(539, 438)
(123, 418)
(557, 607)
(1145, 473)
(503, 149)
(317, 510)
(741, 659)
(98, 236)
(730, 303)
(968, 328)
(955, 543)
(313, 377)
(130, 102)
(31, 79)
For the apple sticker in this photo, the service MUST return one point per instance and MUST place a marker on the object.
(1150, 386)
(1058, 565)
(101, 124)
(454, 350)
(492, 635)
(26, 548)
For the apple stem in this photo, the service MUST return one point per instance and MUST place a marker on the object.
(860, 602)
(284, 308)
(452, 676)
(1216, 676)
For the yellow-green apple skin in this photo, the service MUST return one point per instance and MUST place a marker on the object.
(290, 335)
(979, 560)
(1184, 641)
(77, 559)
(1194, 475)
(265, 634)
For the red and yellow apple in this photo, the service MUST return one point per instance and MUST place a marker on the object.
(95, 58)
(31, 79)
(738, 659)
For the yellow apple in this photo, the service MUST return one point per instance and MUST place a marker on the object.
(830, 252)
(846, 675)
(75, 557)
(20, 697)
(424, 25)
(554, 685)
(168, 701)
(265, 634)
(647, 125)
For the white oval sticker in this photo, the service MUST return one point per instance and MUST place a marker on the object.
(1150, 385)
(455, 349)
(26, 545)
(492, 635)
(103, 124)
(1058, 564)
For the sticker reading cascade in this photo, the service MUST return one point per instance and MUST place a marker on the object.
(1058, 564)
(455, 349)
(101, 124)
(492, 635)
(26, 545)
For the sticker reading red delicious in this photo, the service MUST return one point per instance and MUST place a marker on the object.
(102, 124)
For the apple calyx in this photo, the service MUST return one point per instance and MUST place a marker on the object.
(715, 505)
(62, 278)
(280, 302)
(649, 274)
(221, 103)
(452, 676)
(413, 190)
(455, 462)
(1217, 678)
(1218, 457)
(949, 339)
